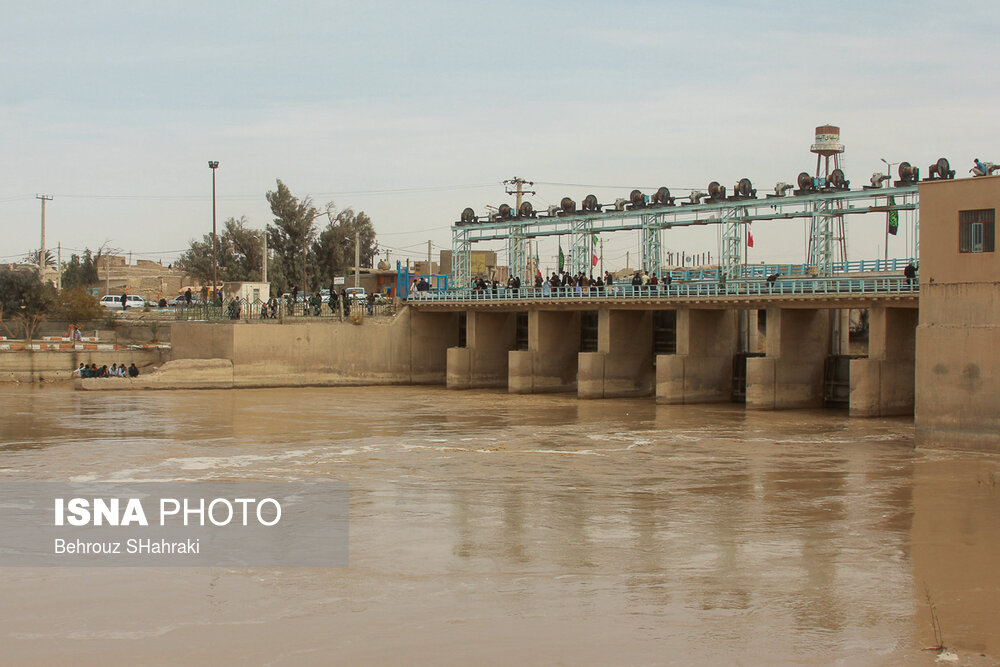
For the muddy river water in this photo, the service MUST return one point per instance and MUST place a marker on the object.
(498, 529)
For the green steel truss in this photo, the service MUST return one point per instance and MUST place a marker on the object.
(580, 247)
(821, 208)
(517, 257)
(650, 231)
(732, 220)
(461, 257)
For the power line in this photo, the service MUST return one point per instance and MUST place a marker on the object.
(251, 197)
(607, 187)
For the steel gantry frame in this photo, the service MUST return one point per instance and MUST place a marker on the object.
(461, 257)
(651, 226)
(579, 255)
(732, 241)
(731, 214)
(826, 233)
(515, 253)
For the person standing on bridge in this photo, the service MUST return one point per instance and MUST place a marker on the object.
(910, 271)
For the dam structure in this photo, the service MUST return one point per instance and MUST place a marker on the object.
(733, 335)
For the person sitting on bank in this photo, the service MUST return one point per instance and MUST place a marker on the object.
(80, 371)
(133, 371)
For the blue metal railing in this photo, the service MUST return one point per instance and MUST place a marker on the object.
(695, 289)
(764, 270)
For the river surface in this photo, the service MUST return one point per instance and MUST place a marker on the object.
(487, 528)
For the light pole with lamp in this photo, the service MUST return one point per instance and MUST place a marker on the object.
(888, 172)
(213, 165)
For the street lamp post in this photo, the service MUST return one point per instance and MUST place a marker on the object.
(888, 172)
(213, 165)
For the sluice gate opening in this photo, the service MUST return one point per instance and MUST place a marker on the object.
(739, 393)
(664, 332)
(589, 330)
(837, 381)
(521, 331)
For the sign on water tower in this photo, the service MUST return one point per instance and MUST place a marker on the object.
(827, 141)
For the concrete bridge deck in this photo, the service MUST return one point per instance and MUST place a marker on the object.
(840, 292)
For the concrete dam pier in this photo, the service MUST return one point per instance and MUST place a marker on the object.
(774, 358)
(609, 353)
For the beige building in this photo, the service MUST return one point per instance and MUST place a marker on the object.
(958, 335)
(147, 278)
(251, 292)
(482, 263)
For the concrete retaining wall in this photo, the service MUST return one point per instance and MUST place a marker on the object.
(410, 348)
(58, 365)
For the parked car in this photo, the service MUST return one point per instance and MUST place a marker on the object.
(180, 301)
(357, 294)
(112, 302)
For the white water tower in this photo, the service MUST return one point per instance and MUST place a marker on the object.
(827, 145)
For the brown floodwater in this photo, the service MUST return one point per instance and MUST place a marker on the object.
(498, 529)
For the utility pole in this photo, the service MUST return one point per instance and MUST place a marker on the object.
(41, 253)
(429, 257)
(518, 184)
(59, 267)
(263, 278)
(357, 257)
(213, 165)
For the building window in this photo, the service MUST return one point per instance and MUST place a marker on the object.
(975, 230)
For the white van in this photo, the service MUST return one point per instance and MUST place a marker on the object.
(357, 294)
(113, 302)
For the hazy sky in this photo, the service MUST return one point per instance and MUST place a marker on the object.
(412, 111)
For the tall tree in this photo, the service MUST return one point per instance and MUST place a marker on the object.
(32, 258)
(24, 301)
(240, 254)
(334, 249)
(291, 237)
(80, 273)
(244, 248)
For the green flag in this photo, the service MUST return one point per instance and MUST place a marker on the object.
(893, 217)
(562, 257)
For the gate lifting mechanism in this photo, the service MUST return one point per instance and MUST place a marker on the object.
(822, 199)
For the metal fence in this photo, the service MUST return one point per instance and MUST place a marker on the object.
(694, 289)
(276, 310)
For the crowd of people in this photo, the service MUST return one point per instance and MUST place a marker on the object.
(563, 282)
(116, 371)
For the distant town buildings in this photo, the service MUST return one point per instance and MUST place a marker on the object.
(147, 278)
